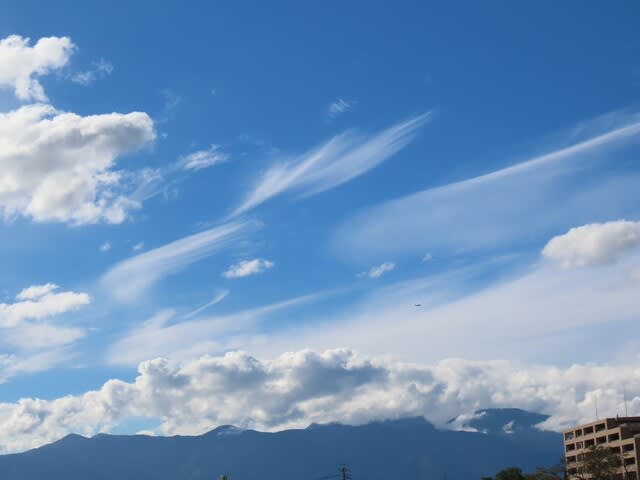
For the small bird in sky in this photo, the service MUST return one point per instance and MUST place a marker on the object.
(418, 304)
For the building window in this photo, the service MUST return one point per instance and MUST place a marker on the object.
(628, 447)
(613, 437)
(568, 436)
(578, 433)
(570, 447)
(588, 430)
(600, 427)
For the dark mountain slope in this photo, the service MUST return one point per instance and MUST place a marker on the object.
(407, 448)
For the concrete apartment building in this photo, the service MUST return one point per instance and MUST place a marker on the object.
(620, 434)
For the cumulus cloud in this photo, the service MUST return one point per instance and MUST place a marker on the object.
(246, 268)
(379, 270)
(593, 244)
(298, 388)
(105, 247)
(333, 163)
(130, 278)
(203, 158)
(21, 63)
(59, 167)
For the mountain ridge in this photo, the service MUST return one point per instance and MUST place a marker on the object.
(411, 447)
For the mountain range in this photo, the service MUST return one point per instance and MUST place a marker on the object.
(409, 448)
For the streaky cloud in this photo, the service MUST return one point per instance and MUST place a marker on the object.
(333, 163)
(191, 337)
(218, 297)
(129, 279)
(506, 207)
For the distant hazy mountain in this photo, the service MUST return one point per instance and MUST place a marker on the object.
(396, 449)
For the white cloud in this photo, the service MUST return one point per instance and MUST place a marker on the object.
(128, 279)
(105, 247)
(203, 158)
(246, 268)
(218, 297)
(298, 388)
(593, 244)
(59, 167)
(509, 207)
(167, 336)
(36, 291)
(12, 365)
(28, 327)
(37, 336)
(339, 106)
(101, 68)
(40, 302)
(21, 63)
(337, 161)
(379, 270)
(499, 307)
(138, 246)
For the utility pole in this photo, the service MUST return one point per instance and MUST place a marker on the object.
(345, 473)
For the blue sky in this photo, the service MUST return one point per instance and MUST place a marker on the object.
(188, 182)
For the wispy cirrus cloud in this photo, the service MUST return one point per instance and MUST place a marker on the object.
(100, 69)
(333, 163)
(31, 331)
(165, 334)
(217, 298)
(130, 278)
(338, 107)
(203, 158)
(516, 204)
(515, 307)
(379, 270)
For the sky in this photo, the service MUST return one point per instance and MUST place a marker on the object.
(269, 215)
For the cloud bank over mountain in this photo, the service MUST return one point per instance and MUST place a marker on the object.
(299, 388)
